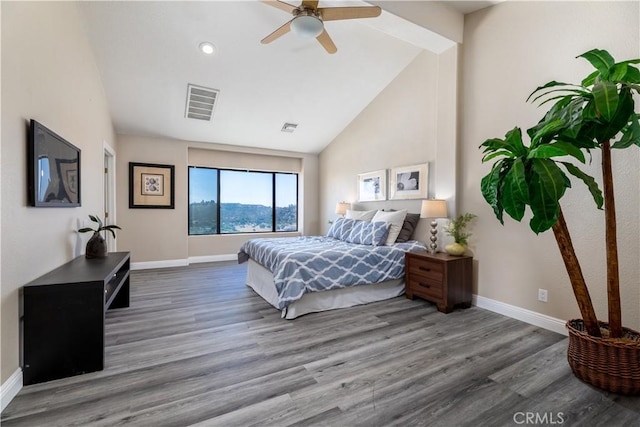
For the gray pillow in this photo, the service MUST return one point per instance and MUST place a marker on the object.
(408, 227)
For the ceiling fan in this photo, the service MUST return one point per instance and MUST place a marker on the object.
(308, 20)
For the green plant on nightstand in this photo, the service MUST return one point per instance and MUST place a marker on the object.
(457, 229)
(96, 245)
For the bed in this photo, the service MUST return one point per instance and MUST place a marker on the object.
(300, 275)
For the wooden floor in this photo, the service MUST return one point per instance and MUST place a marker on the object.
(198, 347)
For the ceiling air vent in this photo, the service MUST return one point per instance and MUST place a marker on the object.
(289, 127)
(200, 102)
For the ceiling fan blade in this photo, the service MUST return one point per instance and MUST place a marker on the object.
(326, 42)
(280, 5)
(337, 13)
(277, 33)
(310, 4)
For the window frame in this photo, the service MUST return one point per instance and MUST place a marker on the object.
(219, 201)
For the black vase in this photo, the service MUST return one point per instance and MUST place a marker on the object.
(96, 247)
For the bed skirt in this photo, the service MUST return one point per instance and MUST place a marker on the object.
(260, 279)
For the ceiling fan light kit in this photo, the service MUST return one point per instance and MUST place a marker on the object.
(307, 26)
(307, 21)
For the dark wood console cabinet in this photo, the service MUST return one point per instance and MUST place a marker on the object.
(62, 316)
(440, 278)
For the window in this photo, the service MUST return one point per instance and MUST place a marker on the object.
(224, 201)
(286, 202)
(203, 201)
(247, 202)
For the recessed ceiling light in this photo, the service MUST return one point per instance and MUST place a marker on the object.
(207, 48)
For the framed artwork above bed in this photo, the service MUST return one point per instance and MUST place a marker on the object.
(409, 182)
(372, 186)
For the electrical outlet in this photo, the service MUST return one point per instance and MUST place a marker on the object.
(542, 295)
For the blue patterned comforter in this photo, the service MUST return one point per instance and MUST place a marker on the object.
(317, 263)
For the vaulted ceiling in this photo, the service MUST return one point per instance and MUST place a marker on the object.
(147, 53)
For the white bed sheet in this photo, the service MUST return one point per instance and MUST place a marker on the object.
(260, 279)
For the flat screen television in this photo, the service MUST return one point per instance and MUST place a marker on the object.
(54, 169)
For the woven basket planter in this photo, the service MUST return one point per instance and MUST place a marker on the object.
(606, 363)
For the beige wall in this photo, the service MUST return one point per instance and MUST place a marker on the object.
(151, 234)
(509, 50)
(48, 74)
(400, 127)
(446, 165)
(160, 235)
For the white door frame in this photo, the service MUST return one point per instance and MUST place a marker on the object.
(109, 213)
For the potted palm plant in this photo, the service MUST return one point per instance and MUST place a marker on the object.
(597, 114)
(96, 245)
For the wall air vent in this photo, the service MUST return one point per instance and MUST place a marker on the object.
(200, 102)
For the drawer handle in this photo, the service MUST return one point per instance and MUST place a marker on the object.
(424, 268)
(424, 285)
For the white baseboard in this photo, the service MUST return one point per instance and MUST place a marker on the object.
(10, 388)
(528, 316)
(212, 258)
(159, 264)
(182, 262)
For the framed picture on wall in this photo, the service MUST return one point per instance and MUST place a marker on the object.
(372, 186)
(409, 182)
(151, 186)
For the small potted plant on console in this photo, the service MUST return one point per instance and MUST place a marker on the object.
(96, 245)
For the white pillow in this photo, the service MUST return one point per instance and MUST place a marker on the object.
(361, 215)
(395, 220)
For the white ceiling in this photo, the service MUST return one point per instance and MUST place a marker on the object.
(147, 53)
(469, 6)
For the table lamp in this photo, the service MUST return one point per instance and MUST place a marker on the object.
(341, 208)
(434, 209)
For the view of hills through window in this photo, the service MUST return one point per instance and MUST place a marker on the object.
(246, 201)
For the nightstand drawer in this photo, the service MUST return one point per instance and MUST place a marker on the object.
(425, 288)
(427, 268)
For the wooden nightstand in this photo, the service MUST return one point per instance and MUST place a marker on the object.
(440, 278)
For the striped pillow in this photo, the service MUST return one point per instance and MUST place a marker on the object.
(341, 228)
(368, 233)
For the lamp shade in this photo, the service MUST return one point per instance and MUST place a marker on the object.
(433, 208)
(341, 208)
(307, 26)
